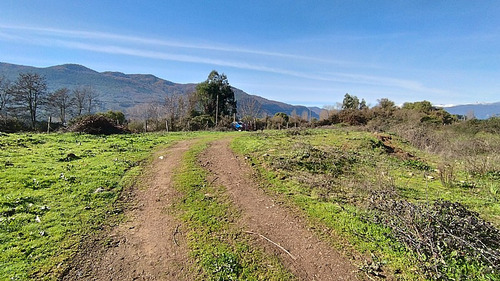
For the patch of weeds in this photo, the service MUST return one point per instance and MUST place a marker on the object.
(69, 157)
(224, 267)
(313, 160)
(494, 175)
(466, 184)
(447, 174)
(299, 132)
(494, 188)
(417, 164)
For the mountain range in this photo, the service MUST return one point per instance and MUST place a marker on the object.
(119, 91)
(478, 110)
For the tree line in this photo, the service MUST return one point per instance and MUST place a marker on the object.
(355, 112)
(212, 105)
(25, 100)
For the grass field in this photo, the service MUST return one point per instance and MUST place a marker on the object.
(343, 179)
(357, 189)
(57, 188)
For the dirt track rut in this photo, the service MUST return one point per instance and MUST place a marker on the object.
(150, 244)
(309, 258)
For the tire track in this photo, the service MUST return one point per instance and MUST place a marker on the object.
(150, 244)
(272, 225)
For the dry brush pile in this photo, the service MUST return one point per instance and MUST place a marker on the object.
(444, 235)
(96, 125)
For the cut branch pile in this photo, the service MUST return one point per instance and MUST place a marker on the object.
(96, 125)
(443, 234)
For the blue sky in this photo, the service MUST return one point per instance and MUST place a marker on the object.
(299, 52)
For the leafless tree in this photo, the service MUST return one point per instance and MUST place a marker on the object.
(305, 115)
(154, 113)
(79, 98)
(5, 96)
(92, 99)
(85, 99)
(176, 109)
(59, 103)
(148, 113)
(294, 118)
(29, 92)
(323, 114)
(327, 111)
(249, 109)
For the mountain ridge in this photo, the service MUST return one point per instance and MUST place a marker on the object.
(119, 91)
(479, 110)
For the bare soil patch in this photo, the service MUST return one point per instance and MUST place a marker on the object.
(150, 244)
(274, 227)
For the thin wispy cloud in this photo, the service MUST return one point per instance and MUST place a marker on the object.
(388, 81)
(339, 77)
(117, 50)
(158, 42)
(117, 44)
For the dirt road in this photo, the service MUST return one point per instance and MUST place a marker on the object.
(302, 252)
(150, 244)
(142, 248)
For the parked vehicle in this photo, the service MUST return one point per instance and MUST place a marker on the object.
(239, 126)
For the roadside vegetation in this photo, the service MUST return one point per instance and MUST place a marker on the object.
(55, 189)
(413, 211)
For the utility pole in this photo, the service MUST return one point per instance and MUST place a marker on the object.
(48, 124)
(217, 111)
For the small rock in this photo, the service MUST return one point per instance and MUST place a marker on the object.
(161, 157)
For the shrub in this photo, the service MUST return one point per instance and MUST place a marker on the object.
(11, 125)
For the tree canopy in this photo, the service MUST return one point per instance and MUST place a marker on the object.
(216, 96)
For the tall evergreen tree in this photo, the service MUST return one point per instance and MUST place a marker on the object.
(216, 96)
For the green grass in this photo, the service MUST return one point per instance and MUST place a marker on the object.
(217, 244)
(331, 175)
(50, 199)
(55, 189)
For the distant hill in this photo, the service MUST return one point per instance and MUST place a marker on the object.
(480, 111)
(119, 91)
